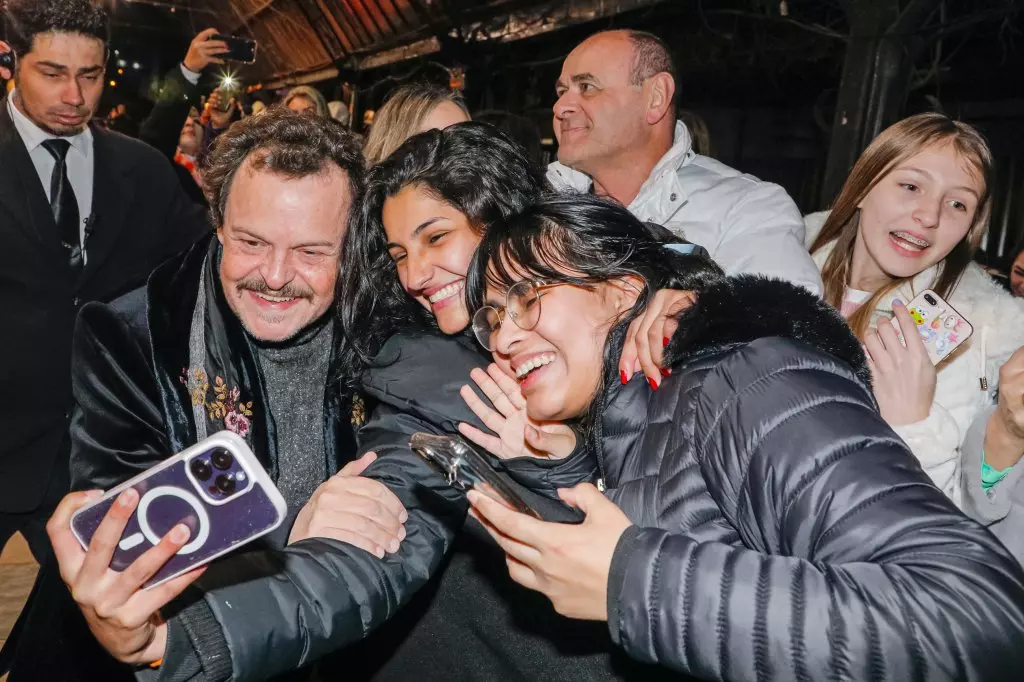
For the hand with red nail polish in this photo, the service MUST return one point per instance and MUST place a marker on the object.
(659, 322)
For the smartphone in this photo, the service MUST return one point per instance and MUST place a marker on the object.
(467, 469)
(217, 488)
(224, 95)
(941, 327)
(239, 49)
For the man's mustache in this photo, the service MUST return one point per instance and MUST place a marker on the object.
(259, 285)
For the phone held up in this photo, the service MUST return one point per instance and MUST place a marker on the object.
(239, 49)
(941, 327)
(217, 488)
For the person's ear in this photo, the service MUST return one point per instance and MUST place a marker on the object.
(661, 91)
(624, 291)
(220, 235)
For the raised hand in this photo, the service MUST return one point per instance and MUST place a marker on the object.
(5, 73)
(1004, 435)
(517, 434)
(220, 119)
(203, 51)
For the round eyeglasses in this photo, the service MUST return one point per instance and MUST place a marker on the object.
(522, 306)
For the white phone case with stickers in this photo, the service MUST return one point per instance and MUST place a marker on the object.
(941, 327)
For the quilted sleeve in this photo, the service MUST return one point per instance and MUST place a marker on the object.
(850, 563)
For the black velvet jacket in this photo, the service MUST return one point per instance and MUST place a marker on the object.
(133, 405)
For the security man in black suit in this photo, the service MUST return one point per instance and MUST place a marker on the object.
(85, 215)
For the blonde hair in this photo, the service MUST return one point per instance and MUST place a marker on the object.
(311, 94)
(894, 145)
(402, 115)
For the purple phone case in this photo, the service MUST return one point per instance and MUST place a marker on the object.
(237, 520)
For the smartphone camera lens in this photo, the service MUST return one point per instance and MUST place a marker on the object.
(221, 459)
(931, 299)
(200, 469)
(225, 484)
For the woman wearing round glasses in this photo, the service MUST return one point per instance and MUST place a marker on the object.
(761, 521)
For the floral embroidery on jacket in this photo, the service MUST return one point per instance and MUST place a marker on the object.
(226, 405)
(358, 411)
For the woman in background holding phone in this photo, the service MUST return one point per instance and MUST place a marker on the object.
(910, 217)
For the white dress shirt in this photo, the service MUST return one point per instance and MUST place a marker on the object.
(190, 75)
(79, 161)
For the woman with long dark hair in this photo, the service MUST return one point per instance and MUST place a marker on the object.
(762, 520)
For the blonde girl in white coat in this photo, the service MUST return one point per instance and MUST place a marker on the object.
(910, 217)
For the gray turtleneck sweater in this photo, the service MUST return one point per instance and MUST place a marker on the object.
(295, 374)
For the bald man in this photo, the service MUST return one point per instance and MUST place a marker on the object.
(615, 120)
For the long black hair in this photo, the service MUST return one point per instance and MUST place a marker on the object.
(470, 166)
(585, 240)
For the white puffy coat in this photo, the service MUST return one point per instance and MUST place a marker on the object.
(998, 321)
(747, 226)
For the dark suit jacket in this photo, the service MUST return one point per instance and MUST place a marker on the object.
(140, 218)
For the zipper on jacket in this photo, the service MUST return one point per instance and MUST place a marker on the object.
(982, 379)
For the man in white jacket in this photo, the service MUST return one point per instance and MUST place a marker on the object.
(618, 136)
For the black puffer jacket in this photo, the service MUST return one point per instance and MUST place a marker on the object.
(282, 610)
(783, 531)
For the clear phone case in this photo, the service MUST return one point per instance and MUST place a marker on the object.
(217, 488)
(466, 469)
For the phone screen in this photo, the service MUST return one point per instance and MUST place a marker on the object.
(239, 49)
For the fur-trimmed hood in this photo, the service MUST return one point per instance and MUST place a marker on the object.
(729, 316)
(738, 310)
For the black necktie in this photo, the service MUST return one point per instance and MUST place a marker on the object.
(64, 204)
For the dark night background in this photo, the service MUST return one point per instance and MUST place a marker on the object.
(765, 75)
